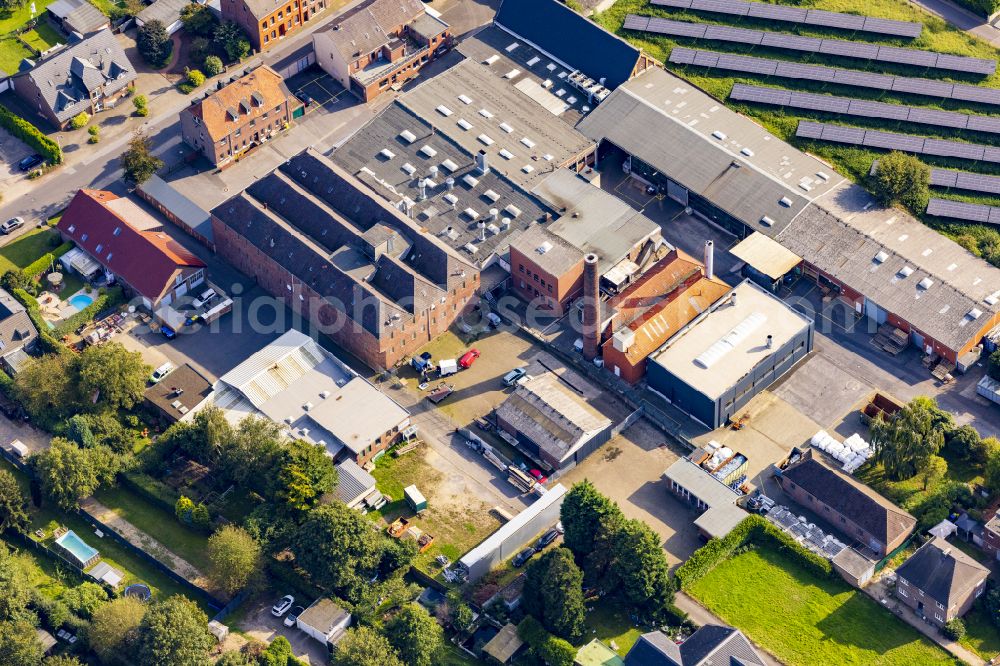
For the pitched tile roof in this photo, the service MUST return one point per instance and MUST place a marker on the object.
(852, 499)
(147, 260)
(712, 644)
(78, 15)
(231, 107)
(943, 572)
(365, 28)
(665, 299)
(16, 329)
(67, 79)
(570, 37)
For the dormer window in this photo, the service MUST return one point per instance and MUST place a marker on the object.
(117, 231)
(99, 248)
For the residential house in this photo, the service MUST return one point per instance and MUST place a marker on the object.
(940, 582)
(17, 333)
(266, 22)
(379, 44)
(991, 536)
(89, 76)
(851, 507)
(238, 116)
(131, 247)
(711, 645)
(77, 16)
(315, 396)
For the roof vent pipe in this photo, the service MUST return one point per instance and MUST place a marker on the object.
(450, 182)
(770, 342)
(709, 259)
(482, 230)
(482, 162)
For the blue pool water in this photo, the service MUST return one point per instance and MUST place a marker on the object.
(81, 301)
(77, 547)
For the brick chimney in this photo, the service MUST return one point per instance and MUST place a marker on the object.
(591, 306)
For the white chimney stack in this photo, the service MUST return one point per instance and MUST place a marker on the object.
(423, 189)
(770, 341)
(482, 230)
(482, 163)
(709, 259)
(450, 182)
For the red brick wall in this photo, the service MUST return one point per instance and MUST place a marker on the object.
(294, 14)
(626, 370)
(385, 352)
(563, 290)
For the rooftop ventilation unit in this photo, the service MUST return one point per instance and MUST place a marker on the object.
(465, 99)
(746, 152)
(881, 257)
(407, 136)
(387, 154)
(485, 114)
(470, 213)
(822, 176)
(766, 221)
(527, 168)
(528, 143)
(464, 124)
(905, 271)
(485, 139)
(974, 313)
(506, 154)
(993, 298)
(506, 128)
(719, 135)
(491, 195)
(512, 73)
(470, 180)
(428, 151)
(449, 165)
(444, 110)
(785, 201)
(409, 168)
(926, 283)
(544, 247)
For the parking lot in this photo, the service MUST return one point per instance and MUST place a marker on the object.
(12, 151)
(259, 624)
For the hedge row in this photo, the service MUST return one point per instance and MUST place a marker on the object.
(42, 264)
(753, 530)
(984, 8)
(153, 490)
(31, 135)
(108, 299)
(49, 344)
(550, 649)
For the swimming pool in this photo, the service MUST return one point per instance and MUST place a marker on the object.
(78, 548)
(81, 301)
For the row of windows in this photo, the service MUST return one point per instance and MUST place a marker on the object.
(534, 276)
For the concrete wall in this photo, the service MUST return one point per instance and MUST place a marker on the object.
(513, 536)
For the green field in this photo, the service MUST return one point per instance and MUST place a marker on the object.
(852, 161)
(804, 620)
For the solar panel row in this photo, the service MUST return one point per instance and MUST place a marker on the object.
(892, 141)
(864, 108)
(838, 47)
(817, 17)
(851, 77)
(968, 212)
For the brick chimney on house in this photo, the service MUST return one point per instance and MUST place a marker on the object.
(591, 306)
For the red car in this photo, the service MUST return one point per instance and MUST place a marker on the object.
(537, 473)
(468, 358)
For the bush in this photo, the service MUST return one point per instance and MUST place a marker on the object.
(95, 134)
(213, 65)
(954, 629)
(111, 299)
(31, 135)
(756, 530)
(195, 78)
(49, 344)
(140, 103)
(983, 8)
(902, 179)
(553, 651)
(80, 120)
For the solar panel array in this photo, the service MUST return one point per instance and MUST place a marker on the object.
(850, 77)
(815, 17)
(907, 143)
(875, 52)
(967, 212)
(965, 180)
(863, 108)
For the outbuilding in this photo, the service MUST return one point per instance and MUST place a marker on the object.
(324, 620)
(415, 498)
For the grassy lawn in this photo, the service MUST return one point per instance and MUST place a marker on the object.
(608, 621)
(135, 568)
(909, 494)
(43, 37)
(105, 5)
(805, 620)
(157, 523)
(852, 161)
(12, 52)
(457, 524)
(26, 249)
(982, 636)
(452, 655)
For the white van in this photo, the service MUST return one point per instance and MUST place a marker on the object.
(19, 449)
(205, 297)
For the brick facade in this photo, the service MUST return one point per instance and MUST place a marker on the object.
(548, 291)
(385, 352)
(268, 23)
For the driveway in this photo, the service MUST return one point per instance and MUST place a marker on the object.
(35, 439)
(12, 151)
(261, 625)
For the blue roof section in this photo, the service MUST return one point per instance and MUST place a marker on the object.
(574, 39)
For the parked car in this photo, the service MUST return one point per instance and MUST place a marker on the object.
(539, 476)
(168, 332)
(205, 297)
(30, 162)
(293, 615)
(547, 538)
(280, 608)
(521, 558)
(559, 528)
(304, 98)
(11, 224)
(161, 372)
(514, 376)
(468, 358)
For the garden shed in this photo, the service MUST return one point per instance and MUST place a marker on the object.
(415, 498)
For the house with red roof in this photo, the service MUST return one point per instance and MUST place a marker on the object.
(131, 247)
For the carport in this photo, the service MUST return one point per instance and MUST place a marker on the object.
(767, 261)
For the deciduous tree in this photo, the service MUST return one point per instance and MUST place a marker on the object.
(902, 179)
(338, 548)
(85, 599)
(905, 443)
(415, 634)
(153, 43)
(19, 644)
(15, 590)
(234, 557)
(198, 19)
(114, 374)
(138, 162)
(174, 633)
(45, 388)
(114, 628)
(230, 37)
(933, 471)
(68, 473)
(363, 646)
(553, 593)
(588, 518)
(13, 503)
(304, 475)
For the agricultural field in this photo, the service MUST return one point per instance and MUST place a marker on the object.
(804, 620)
(854, 162)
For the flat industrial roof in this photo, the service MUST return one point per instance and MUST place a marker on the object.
(521, 139)
(730, 339)
(766, 255)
